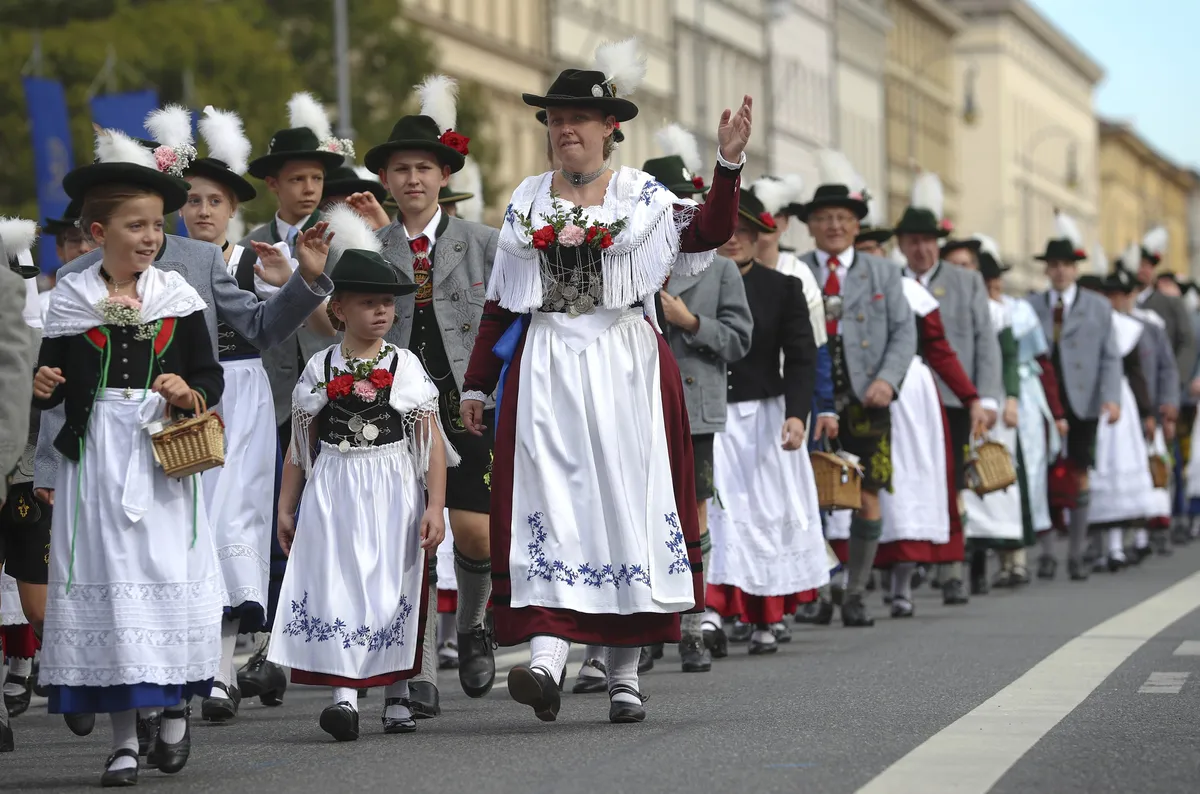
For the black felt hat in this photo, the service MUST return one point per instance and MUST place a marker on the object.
(834, 196)
(750, 208)
(585, 88)
(218, 171)
(916, 220)
(672, 173)
(359, 270)
(953, 244)
(174, 191)
(67, 222)
(617, 136)
(420, 134)
(990, 268)
(1120, 282)
(345, 181)
(878, 235)
(1061, 250)
(1090, 282)
(296, 143)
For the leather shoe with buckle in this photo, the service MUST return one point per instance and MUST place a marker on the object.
(219, 709)
(340, 721)
(589, 684)
(147, 729)
(113, 778)
(645, 659)
(694, 657)
(533, 686)
(626, 712)
(81, 724)
(262, 679)
(476, 662)
(423, 700)
(902, 608)
(18, 704)
(171, 758)
(716, 642)
(395, 725)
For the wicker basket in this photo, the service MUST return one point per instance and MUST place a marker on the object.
(839, 482)
(1160, 471)
(193, 445)
(989, 468)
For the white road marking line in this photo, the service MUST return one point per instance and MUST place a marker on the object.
(1164, 684)
(971, 754)
(1188, 648)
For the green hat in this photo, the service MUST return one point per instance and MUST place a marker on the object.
(833, 196)
(672, 173)
(921, 221)
(66, 223)
(617, 136)
(449, 195)
(1062, 250)
(874, 234)
(1090, 282)
(344, 181)
(750, 208)
(295, 143)
(360, 270)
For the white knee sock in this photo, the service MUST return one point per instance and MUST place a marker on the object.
(1141, 538)
(20, 668)
(550, 654)
(397, 690)
(622, 666)
(229, 632)
(1116, 547)
(593, 652)
(902, 580)
(345, 694)
(174, 724)
(124, 736)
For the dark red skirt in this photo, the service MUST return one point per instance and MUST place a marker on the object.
(842, 549)
(324, 679)
(888, 554)
(447, 602)
(19, 641)
(514, 626)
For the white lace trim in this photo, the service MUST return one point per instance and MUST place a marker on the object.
(73, 300)
(471, 394)
(235, 550)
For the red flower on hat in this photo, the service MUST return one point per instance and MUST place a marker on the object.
(767, 219)
(339, 386)
(698, 182)
(946, 225)
(380, 378)
(1079, 252)
(455, 141)
(544, 237)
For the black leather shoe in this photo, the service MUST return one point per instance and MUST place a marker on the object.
(448, 656)
(80, 724)
(979, 582)
(1078, 570)
(1115, 564)
(147, 730)
(18, 704)
(1019, 576)
(590, 684)
(694, 656)
(854, 613)
(645, 659)
(871, 583)
(954, 594)
(656, 650)
(902, 608)
(423, 700)
(218, 709)
(824, 614)
(7, 744)
(340, 721)
(476, 662)
(626, 712)
(759, 647)
(393, 725)
(740, 632)
(534, 687)
(1144, 551)
(716, 642)
(112, 778)
(837, 595)
(1132, 557)
(262, 679)
(170, 758)
(781, 632)
(807, 613)
(1047, 567)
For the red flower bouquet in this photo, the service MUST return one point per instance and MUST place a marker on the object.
(544, 237)
(380, 378)
(339, 386)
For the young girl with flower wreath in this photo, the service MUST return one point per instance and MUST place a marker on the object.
(135, 594)
(367, 435)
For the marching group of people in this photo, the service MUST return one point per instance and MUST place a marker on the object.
(592, 425)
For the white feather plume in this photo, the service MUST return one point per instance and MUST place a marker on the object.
(927, 194)
(236, 229)
(988, 245)
(114, 146)
(1155, 241)
(1099, 260)
(350, 231)
(227, 142)
(171, 126)
(365, 173)
(835, 169)
(1131, 257)
(16, 236)
(795, 184)
(305, 111)
(623, 64)
(775, 194)
(874, 216)
(469, 180)
(675, 140)
(439, 100)
(1066, 228)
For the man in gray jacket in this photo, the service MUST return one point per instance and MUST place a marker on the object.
(16, 361)
(872, 339)
(963, 302)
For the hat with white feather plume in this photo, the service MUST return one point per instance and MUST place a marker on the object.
(430, 130)
(680, 164)
(356, 264)
(990, 265)
(17, 237)
(841, 186)
(1067, 243)
(1154, 245)
(770, 197)
(925, 212)
(122, 160)
(309, 138)
(619, 69)
(228, 152)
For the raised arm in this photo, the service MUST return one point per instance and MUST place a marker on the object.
(266, 323)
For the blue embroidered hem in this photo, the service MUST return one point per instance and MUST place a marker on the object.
(109, 699)
(251, 617)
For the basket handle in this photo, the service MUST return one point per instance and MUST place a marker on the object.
(199, 405)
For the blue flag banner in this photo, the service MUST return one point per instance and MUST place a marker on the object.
(52, 155)
(125, 112)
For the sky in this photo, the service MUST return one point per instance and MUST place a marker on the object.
(1151, 64)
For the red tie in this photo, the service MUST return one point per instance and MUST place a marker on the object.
(421, 267)
(833, 286)
(419, 246)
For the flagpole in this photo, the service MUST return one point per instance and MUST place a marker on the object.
(342, 50)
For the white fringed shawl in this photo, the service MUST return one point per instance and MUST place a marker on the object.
(641, 258)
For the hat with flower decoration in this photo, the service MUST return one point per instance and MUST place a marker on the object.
(17, 238)
(122, 160)
(1154, 245)
(924, 214)
(355, 261)
(841, 186)
(228, 152)
(680, 164)
(619, 69)
(309, 138)
(431, 130)
(767, 198)
(1067, 244)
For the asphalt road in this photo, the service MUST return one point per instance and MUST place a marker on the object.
(833, 711)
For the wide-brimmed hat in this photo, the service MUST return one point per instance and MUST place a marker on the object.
(228, 153)
(358, 270)
(346, 180)
(834, 196)
(874, 234)
(1120, 281)
(17, 238)
(954, 244)
(449, 195)
(431, 130)
(121, 160)
(751, 208)
(618, 70)
(921, 221)
(1067, 243)
(925, 214)
(68, 221)
(677, 168)
(309, 137)
(1090, 282)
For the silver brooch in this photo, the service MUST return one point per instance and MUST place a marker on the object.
(597, 91)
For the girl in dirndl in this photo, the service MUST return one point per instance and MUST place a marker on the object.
(135, 595)
(367, 435)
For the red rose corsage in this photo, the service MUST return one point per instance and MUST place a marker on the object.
(767, 219)
(544, 237)
(455, 141)
(339, 386)
(380, 378)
